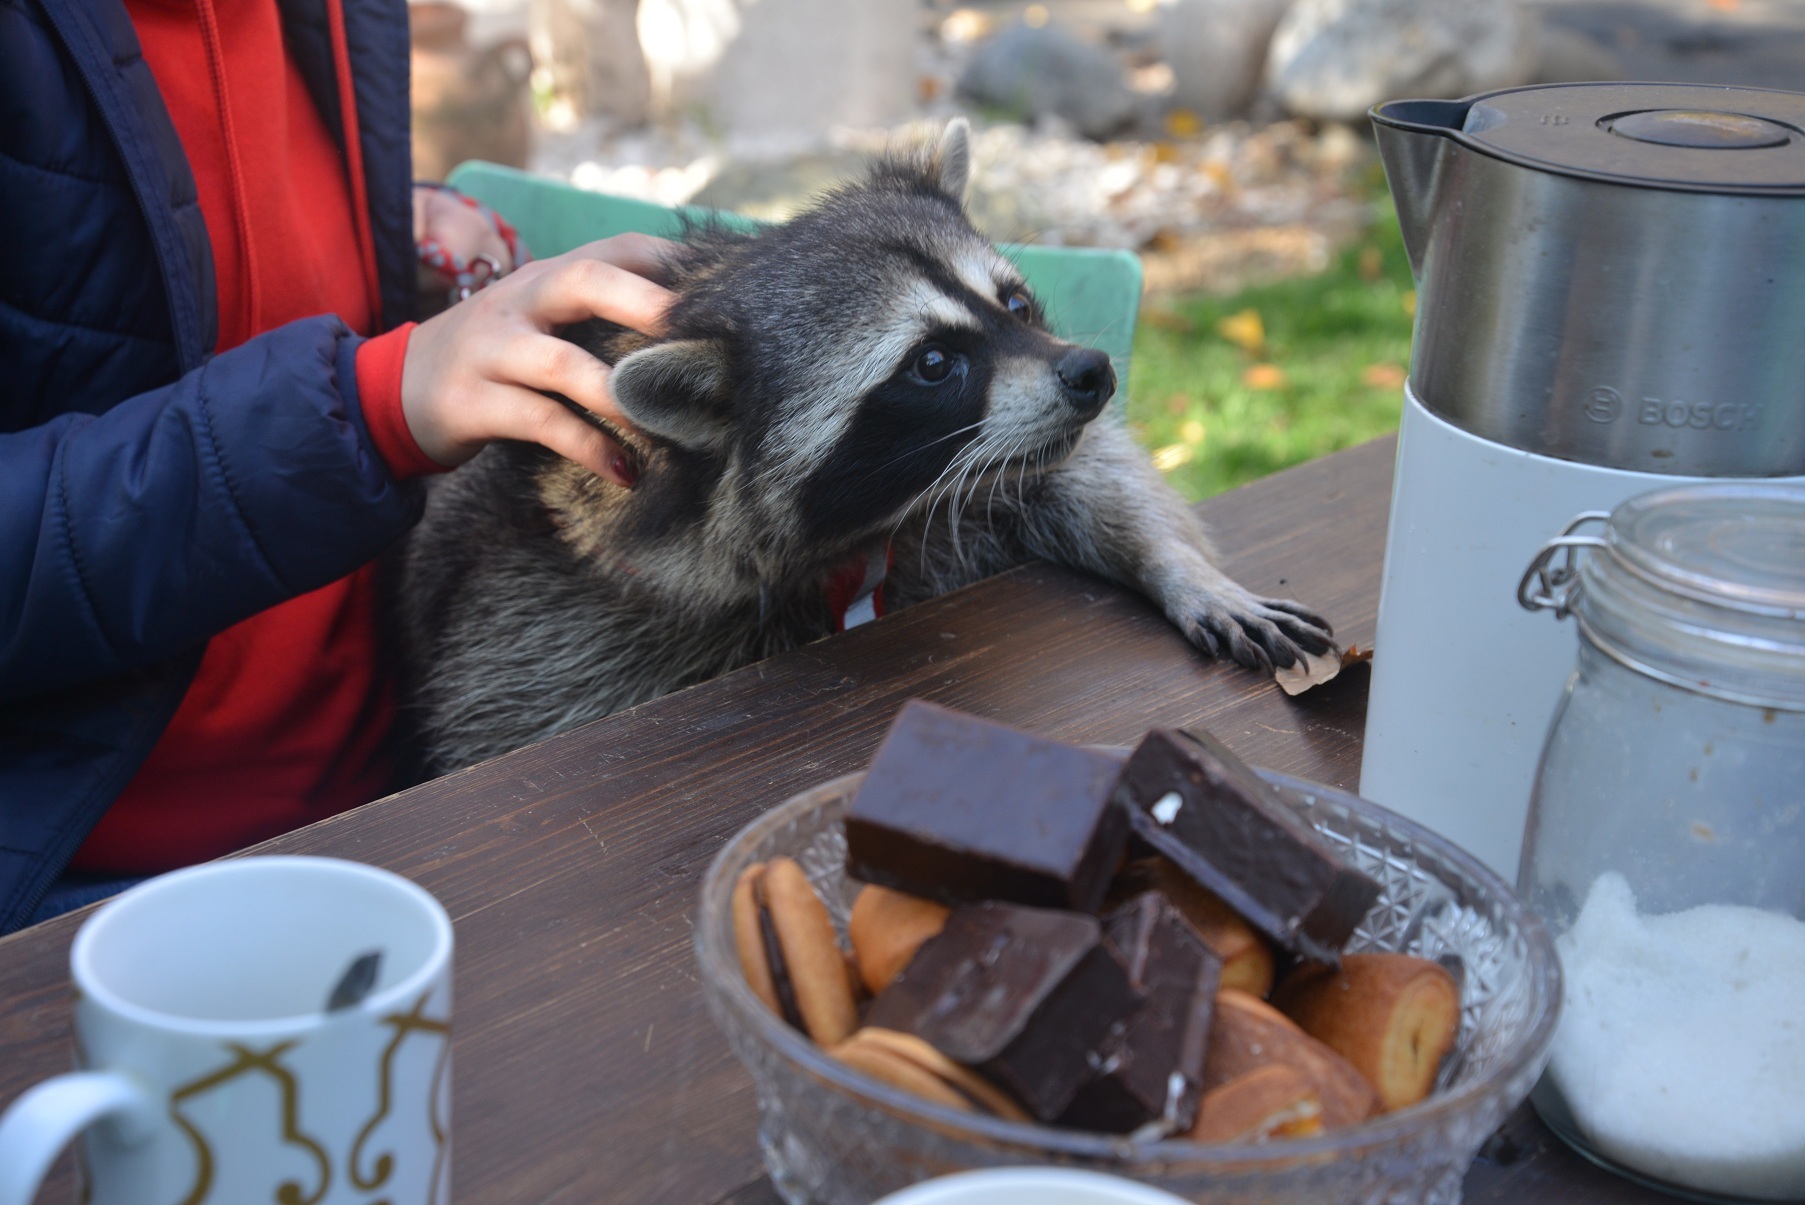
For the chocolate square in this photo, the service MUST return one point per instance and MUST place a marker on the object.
(956, 808)
(1204, 808)
(1150, 1066)
(1023, 995)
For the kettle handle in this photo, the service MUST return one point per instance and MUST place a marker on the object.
(1550, 587)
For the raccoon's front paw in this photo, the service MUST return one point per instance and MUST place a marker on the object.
(1259, 633)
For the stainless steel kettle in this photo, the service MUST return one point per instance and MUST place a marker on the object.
(1611, 297)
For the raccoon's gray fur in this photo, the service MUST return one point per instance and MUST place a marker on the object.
(871, 369)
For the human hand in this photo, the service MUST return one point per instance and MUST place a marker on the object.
(462, 246)
(442, 216)
(480, 370)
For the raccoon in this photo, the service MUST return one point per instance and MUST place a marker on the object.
(868, 391)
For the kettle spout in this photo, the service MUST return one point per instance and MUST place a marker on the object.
(1415, 139)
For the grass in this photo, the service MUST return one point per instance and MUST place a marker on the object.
(1227, 389)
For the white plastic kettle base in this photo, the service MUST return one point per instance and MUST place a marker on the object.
(1464, 680)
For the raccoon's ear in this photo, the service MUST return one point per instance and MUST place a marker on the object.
(951, 161)
(676, 391)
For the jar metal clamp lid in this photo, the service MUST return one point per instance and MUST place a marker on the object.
(1698, 586)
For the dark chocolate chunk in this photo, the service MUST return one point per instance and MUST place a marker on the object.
(1022, 995)
(956, 808)
(1150, 1066)
(1201, 806)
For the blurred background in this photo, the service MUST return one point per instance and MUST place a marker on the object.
(1223, 141)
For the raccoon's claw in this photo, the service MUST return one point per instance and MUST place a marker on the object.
(1260, 634)
(1220, 633)
(1299, 611)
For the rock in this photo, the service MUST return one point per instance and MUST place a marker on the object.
(1217, 51)
(1034, 72)
(1335, 59)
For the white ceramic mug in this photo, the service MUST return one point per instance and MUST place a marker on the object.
(212, 1071)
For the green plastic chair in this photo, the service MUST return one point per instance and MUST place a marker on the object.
(1092, 297)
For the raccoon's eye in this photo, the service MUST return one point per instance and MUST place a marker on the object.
(931, 366)
(1019, 305)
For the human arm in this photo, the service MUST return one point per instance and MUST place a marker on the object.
(133, 535)
(139, 533)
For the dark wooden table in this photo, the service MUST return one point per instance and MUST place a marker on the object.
(586, 1068)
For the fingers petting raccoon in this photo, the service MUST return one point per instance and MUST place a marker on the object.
(858, 409)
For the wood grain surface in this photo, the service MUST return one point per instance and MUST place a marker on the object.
(586, 1069)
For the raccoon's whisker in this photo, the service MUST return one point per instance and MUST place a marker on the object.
(924, 447)
(968, 460)
(932, 495)
(946, 483)
(1001, 478)
(956, 494)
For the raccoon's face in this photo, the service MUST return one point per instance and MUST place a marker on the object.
(851, 365)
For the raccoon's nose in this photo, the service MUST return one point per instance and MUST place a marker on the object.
(1088, 379)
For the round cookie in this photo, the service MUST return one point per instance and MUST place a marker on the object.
(786, 944)
(748, 941)
(886, 929)
(1273, 1101)
(1247, 1033)
(905, 1061)
(980, 1091)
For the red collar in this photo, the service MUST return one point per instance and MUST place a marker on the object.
(855, 591)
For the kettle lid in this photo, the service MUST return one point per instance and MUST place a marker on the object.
(1687, 137)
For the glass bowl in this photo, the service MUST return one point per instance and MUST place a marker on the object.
(832, 1136)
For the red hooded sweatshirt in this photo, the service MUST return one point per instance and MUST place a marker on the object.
(288, 719)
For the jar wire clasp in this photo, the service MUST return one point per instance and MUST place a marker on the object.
(1547, 586)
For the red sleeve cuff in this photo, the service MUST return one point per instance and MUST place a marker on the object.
(379, 363)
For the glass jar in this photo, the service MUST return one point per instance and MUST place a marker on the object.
(1666, 840)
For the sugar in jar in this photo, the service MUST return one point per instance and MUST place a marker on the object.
(1666, 839)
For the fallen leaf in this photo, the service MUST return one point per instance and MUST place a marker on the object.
(1183, 123)
(1245, 330)
(1383, 376)
(1313, 670)
(1160, 318)
(1264, 376)
(1172, 456)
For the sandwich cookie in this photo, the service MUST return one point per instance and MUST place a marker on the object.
(905, 1061)
(788, 951)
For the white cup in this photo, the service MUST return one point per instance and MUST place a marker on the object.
(1031, 1186)
(212, 1071)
